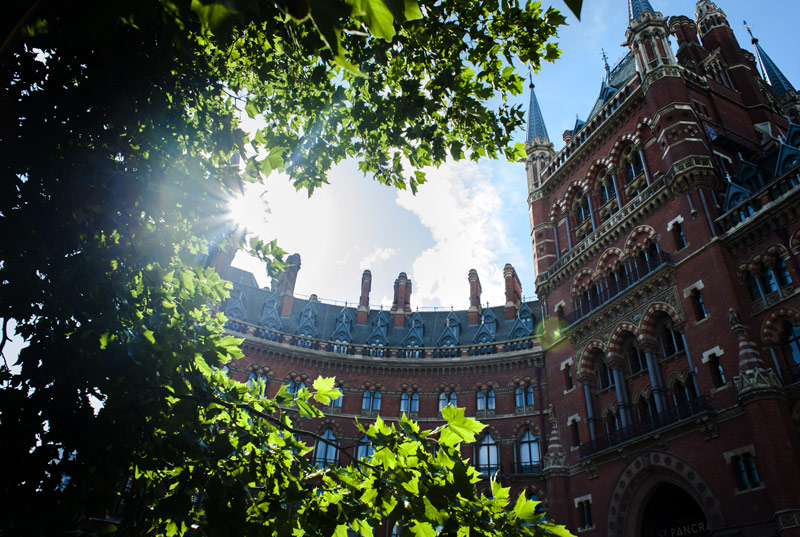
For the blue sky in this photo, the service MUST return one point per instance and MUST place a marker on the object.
(472, 215)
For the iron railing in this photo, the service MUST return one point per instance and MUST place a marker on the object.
(674, 414)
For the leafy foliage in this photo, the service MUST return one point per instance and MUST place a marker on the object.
(118, 122)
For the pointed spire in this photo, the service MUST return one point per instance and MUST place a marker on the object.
(780, 84)
(605, 65)
(536, 128)
(637, 7)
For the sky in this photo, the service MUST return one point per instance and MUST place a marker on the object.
(472, 215)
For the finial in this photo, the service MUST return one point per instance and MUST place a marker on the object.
(605, 65)
(747, 27)
(530, 77)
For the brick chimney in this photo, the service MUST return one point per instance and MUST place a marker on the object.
(474, 312)
(363, 302)
(513, 291)
(283, 284)
(401, 305)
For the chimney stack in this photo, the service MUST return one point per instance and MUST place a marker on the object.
(513, 291)
(363, 302)
(283, 284)
(474, 312)
(401, 305)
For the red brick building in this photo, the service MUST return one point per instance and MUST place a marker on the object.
(662, 397)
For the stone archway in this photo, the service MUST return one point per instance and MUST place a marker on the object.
(644, 476)
(670, 511)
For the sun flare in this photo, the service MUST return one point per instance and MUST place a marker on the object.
(248, 211)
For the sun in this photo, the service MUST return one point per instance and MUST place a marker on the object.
(248, 211)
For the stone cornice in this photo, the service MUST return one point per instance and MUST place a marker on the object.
(333, 363)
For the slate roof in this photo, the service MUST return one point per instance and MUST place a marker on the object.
(253, 300)
(620, 74)
(780, 84)
(536, 126)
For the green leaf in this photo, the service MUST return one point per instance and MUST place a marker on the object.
(325, 390)
(377, 17)
(431, 513)
(412, 11)
(251, 109)
(423, 529)
(148, 335)
(104, 340)
(340, 531)
(524, 508)
(458, 428)
(575, 6)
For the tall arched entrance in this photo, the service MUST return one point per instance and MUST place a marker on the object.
(659, 494)
(671, 512)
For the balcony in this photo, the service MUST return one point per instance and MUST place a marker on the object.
(699, 406)
(759, 202)
(527, 467)
(637, 272)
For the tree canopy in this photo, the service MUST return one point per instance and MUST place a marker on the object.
(118, 123)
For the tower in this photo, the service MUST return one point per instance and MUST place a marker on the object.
(539, 151)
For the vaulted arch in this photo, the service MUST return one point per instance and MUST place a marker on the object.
(582, 280)
(639, 238)
(771, 328)
(585, 362)
(608, 261)
(617, 339)
(650, 318)
(619, 146)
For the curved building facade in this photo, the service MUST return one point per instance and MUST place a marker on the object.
(662, 396)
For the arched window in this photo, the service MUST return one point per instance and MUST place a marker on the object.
(529, 454)
(371, 400)
(645, 410)
(634, 355)
(612, 423)
(326, 453)
(364, 448)
(295, 387)
(487, 455)
(337, 402)
(604, 377)
(529, 395)
(519, 397)
(490, 399)
(791, 343)
(782, 272)
(446, 399)
(253, 379)
(414, 402)
(480, 400)
(404, 402)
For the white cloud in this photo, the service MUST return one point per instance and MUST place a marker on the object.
(380, 254)
(461, 208)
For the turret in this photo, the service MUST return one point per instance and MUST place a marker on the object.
(647, 37)
(538, 147)
(540, 152)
